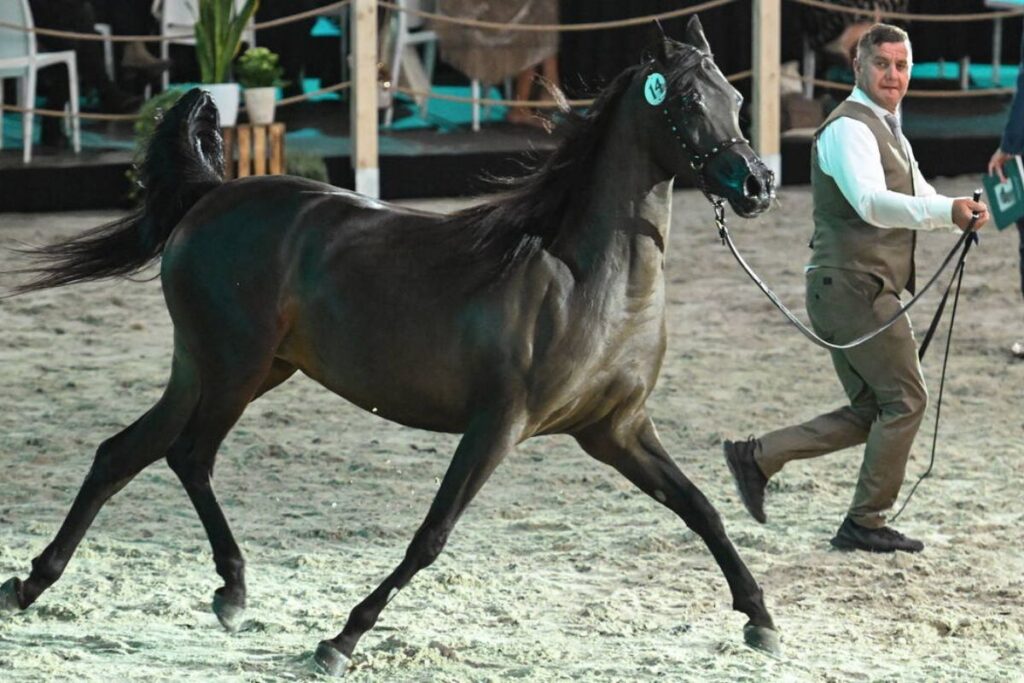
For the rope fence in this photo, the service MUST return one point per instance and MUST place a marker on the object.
(490, 25)
(591, 26)
(536, 104)
(335, 7)
(907, 16)
(287, 101)
(73, 35)
(433, 16)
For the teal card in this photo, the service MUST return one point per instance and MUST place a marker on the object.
(1006, 200)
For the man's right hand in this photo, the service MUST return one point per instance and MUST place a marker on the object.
(995, 164)
(964, 209)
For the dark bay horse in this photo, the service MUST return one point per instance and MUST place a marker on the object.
(541, 311)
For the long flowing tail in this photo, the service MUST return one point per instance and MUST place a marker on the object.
(184, 161)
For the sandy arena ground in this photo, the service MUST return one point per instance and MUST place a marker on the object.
(559, 571)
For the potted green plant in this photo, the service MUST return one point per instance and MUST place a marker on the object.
(218, 34)
(260, 74)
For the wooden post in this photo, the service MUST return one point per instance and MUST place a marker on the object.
(363, 103)
(767, 65)
(244, 150)
(259, 150)
(277, 160)
(228, 135)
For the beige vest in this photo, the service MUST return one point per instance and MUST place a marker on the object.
(842, 239)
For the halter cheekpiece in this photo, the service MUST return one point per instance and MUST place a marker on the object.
(697, 159)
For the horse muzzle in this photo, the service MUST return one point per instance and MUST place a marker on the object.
(757, 191)
(742, 179)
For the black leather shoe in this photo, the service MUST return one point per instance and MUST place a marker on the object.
(853, 536)
(750, 480)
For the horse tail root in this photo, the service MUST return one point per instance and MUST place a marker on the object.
(184, 160)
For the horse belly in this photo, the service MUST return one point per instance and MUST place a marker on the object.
(381, 367)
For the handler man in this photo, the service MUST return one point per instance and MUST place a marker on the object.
(869, 201)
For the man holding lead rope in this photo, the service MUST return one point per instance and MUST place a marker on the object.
(870, 200)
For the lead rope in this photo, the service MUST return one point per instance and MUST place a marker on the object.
(723, 233)
(959, 274)
(967, 239)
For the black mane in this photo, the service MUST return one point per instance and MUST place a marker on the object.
(527, 215)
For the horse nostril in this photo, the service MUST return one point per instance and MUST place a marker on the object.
(752, 187)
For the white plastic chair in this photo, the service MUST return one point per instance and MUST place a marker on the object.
(402, 55)
(19, 59)
(108, 49)
(178, 18)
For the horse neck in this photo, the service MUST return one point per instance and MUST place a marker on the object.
(629, 199)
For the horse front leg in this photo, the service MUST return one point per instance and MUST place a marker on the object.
(633, 448)
(482, 447)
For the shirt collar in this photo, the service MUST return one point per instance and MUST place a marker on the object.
(861, 97)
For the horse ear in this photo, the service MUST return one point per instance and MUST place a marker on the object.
(655, 39)
(695, 35)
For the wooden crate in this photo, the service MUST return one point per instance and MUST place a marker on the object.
(259, 150)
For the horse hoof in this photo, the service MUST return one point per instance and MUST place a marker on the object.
(9, 596)
(763, 638)
(330, 659)
(229, 614)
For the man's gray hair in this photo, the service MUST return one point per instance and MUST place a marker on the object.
(881, 33)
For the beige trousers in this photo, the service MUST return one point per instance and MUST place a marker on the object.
(882, 378)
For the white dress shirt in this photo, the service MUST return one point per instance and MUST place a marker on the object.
(848, 153)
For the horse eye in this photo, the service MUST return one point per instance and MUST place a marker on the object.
(691, 101)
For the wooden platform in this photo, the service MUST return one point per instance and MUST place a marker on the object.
(253, 150)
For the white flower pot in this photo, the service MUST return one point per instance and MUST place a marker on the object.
(260, 104)
(226, 97)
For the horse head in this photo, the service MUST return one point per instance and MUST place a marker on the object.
(697, 130)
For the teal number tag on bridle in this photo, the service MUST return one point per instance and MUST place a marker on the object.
(654, 89)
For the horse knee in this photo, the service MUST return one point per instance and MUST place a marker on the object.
(188, 469)
(700, 515)
(109, 468)
(427, 546)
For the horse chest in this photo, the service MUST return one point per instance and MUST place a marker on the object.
(611, 350)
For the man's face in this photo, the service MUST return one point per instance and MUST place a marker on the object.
(884, 73)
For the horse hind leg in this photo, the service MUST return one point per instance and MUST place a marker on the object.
(638, 454)
(192, 457)
(118, 460)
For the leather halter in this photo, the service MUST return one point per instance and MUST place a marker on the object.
(698, 159)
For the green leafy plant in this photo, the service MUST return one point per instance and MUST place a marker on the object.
(306, 165)
(218, 34)
(258, 68)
